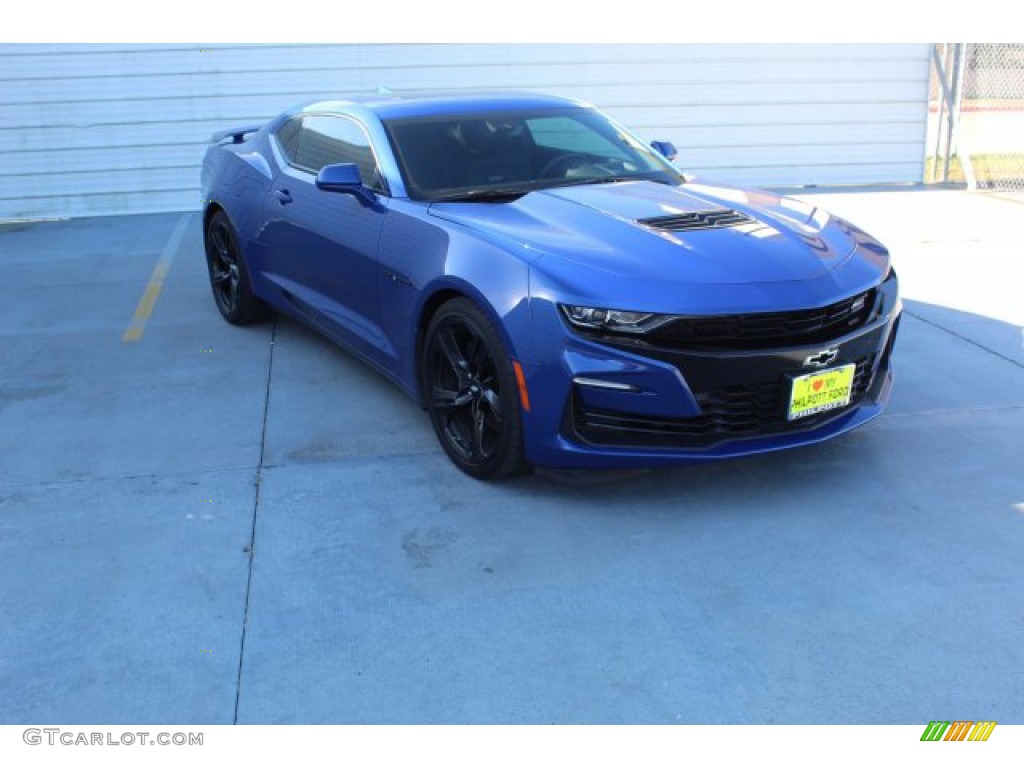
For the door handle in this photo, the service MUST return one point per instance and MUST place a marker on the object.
(283, 196)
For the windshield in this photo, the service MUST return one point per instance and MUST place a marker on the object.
(508, 153)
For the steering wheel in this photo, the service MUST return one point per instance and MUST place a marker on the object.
(558, 161)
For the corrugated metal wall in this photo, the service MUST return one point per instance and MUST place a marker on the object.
(90, 129)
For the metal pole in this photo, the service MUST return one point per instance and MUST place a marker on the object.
(954, 106)
(940, 75)
(956, 137)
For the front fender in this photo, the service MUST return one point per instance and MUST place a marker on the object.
(423, 260)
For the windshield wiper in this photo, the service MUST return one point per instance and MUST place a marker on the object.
(598, 180)
(483, 195)
(612, 180)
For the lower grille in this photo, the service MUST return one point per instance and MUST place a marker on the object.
(727, 413)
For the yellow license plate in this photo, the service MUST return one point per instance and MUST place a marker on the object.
(822, 391)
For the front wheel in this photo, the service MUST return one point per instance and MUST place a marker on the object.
(471, 392)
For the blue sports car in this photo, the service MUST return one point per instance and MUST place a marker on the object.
(550, 288)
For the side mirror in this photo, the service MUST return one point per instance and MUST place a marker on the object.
(344, 177)
(666, 149)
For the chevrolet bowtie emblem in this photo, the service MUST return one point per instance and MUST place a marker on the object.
(818, 359)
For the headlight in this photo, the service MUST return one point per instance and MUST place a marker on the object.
(612, 320)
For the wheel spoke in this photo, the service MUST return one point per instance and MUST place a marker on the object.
(478, 433)
(449, 399)
(222, 243)
(219, 278)
(477, 356)
(490, 397)
(231, 290)
(453, 354)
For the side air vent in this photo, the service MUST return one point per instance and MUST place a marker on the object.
(685, 222)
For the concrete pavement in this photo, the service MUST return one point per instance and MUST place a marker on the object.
(217, 525)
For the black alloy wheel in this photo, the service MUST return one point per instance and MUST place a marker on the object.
(228, 277)
(471, 392)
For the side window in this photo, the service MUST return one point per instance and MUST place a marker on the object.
(326, 140)
(288, 137)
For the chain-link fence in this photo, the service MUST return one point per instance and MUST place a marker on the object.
(977, 116)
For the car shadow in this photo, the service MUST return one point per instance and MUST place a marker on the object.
(948, 364)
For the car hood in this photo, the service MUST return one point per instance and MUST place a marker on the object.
(601, 227)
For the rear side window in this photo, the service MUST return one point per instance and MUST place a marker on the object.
(288, 137)
(325, 140)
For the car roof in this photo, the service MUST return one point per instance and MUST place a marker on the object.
(393, 105)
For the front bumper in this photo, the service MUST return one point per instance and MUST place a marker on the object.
(620, 403)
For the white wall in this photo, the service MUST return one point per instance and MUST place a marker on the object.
(89, 129)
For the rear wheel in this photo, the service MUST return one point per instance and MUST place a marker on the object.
(471, 392)
(229, 277)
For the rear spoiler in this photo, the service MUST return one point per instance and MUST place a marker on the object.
(237, 134)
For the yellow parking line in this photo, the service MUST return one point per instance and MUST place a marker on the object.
(156, 282)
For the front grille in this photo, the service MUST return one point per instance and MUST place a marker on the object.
(764, 330)
(684, 222)
(727, 413)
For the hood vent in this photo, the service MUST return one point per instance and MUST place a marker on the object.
(685, 222)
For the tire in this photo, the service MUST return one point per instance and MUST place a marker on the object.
(229, 276)
(471, 393)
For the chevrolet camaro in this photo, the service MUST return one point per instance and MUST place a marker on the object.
(551, 289)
